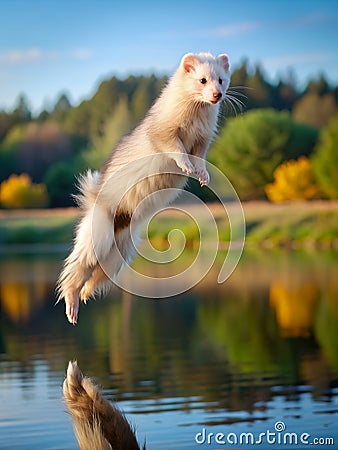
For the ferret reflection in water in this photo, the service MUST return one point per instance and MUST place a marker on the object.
(97, 423)
(151, 159)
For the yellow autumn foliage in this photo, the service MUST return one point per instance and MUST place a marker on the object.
(293, 180)
(18, 191)
(295, 307)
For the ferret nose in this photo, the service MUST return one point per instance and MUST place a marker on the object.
(217, 95)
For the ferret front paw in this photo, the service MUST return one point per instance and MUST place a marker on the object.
(185, 165)
(188, 168)
(203, 176)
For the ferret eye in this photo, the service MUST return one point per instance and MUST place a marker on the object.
(203, 80)
(220, 80)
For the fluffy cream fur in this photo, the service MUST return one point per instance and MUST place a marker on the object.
(153, 157)
(98, 424)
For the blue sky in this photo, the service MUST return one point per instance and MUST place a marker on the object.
(52, 46)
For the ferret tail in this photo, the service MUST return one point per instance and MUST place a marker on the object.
(93, 239)
(98, 425)
(95, 228)
(89, 185)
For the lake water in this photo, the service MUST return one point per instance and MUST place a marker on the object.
(256, 354)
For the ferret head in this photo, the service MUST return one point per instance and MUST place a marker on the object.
(206, 78)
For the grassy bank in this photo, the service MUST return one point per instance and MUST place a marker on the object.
(50, 226)
(298, 224)
(304, 224)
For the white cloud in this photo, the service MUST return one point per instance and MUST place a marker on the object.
(235, 29)
(297, 59)
(313, 19)
(81, 53)
(21, 56)
(35, 55)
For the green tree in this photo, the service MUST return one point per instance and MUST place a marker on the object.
(315, 109)
(60, 182)
(22, 111)
(43, 116)
(284, 93)
(62, 106)
(239, 75)
(42, 145)
(259, 93)
(8, 151)
(20, 114)
(302, 140)
(115, 127)
(78, 119)
(102, 105)
(140, 101)
(7, 161)
(6, 122)
(118, 124)
(325, 159)
(319, 86)
(250, 148)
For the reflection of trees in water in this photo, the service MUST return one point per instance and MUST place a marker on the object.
(25, 286)
(224, 345)
(326, 324)
(295, 307)
(20, 300)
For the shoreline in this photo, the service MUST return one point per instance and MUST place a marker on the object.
(294, 225)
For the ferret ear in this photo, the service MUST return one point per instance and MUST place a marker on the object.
(189, 61)
(224, 59)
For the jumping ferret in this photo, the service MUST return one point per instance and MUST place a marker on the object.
(152, 158)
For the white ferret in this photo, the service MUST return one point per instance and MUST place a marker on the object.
(151, 159)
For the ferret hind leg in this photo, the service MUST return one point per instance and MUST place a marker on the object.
(105, 271)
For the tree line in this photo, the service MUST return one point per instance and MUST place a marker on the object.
(277, 122)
